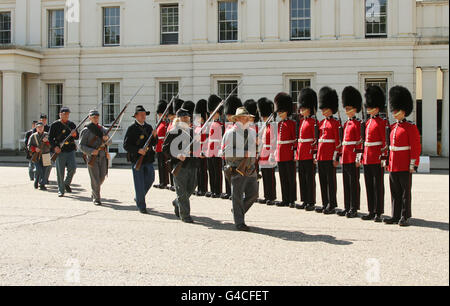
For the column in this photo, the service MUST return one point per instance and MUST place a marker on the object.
(406, 14)
(328, 19)
(11, 109)
(346, 19)
(429, 111)
(271, 21)
(21, 27)
(445, 115)
(34, 25)
(200, 22)
(253, 19)
(33, 105)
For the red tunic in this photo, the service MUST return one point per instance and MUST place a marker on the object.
(286, 140)
(214, 139)
(268, 148)
(306, 139)
(329, 139)
(161, 133)
(375, 140)
(202, 146)
(405, 146)
(351, 141)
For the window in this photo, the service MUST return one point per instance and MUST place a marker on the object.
(56, 28)
(296, 86)
(383, 83)
(167, 90)
(55, 100)
(111, 26)
(228, 21)
(300, 19)
(169, 24)
(226, 87)
(111, 102)
(376, 16)
(5, 27)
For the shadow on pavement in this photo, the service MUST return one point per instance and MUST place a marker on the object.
(429, 224)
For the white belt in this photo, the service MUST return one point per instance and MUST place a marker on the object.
(203, 142)
(327, 140)
(215, 140)
(161, 137)
(394, 148)
(349, 143)
(302, 140)
(266, 146)
(286, 142)
(373, 144)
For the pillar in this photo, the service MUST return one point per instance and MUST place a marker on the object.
(21, 27)
(429, 111)
(11, 109)
(346, 19)
(253, 20)
(200, 23)
(271, 21)
(445, 115)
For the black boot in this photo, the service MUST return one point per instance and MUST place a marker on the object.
(368, 217)
(342, 213)
(403, 222)
(352, 214)
(390, 220)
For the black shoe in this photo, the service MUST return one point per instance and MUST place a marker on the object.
(187, 220)
(390, 220)
(320, 209)
(352, 214)
(378, 219)
(60, 195)
(281, 204)
(303, 206)
(172, 188)
(168, 187)
(242, 228)
(368, 217)
(342, 213)
(329, 211)
(42, 187)
(200, 194)
(68, 189)
(310, 207)
(261, 201)
(225, 196)
(97, 202)
(208, 194)
(36, 184)
(143, 211)
(270, 203)
(157, 186)
(403, 222)
(291, 205)
(230, 198)
(215, 196)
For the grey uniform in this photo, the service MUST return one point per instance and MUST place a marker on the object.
(91, 139)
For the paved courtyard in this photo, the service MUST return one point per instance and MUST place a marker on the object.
(45, 240)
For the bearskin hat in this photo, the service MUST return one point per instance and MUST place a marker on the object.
(283, 103)
(231, 105)
(201, 108)
(265, 107)
(375, 97)
(161, 107)
(308, 99)
(328, 98)
(189, 106)
(251, 106)
(213, 102)
(352, 97)
(400, 98)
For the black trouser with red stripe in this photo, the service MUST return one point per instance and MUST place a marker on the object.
(327, 178)
(307, 179)
(215, 174)
(352, 188)
(269, 183)
(163, 171)
(202, 175)
(400, 183)
(288, 181)
(374, 179)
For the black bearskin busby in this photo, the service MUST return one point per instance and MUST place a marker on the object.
(231, 105)
(161, 107)
(213, 102)
(283, 103)
(375, 97)
(189, 106)
(251, 106)
(352, 97)
(201, 109)
(308, 99)
(400, 98)
(328, 98)
(265, 107)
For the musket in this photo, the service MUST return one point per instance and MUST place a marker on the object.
(387, 132)
(363, 129)
(94, 157)
(146, 146)
(37, 155)
(211, 116)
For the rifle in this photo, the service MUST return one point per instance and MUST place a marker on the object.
(94, 157)
(37, 155)
(387, 132)
(363, 129)
(177, 169)
(146, 146)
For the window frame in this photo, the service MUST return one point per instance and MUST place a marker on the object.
(104, 26)
(386, 16)
(50, 28)
(49, 105)
(10, 27)
(219, 21)
(291, 38)
(161, 32)
(232, 82)
(117, 95)
(174, 92)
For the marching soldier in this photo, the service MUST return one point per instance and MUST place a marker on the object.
(91, 138)
(286, 139)
(350, 159)
(404, 155)
(135, 139)
(327, 153)
(267, 162)
(374, 144)
(44, 120)
(161, 132)
(27, 151)
(239, 145)
(39, 146)
(306, 148)
(200, 114)
(177, 104)
(59, 130)
(216, 129)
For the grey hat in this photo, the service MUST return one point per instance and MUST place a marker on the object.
(39, 124)
(94, 112)
(64, 109)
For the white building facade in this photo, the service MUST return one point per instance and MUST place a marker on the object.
(78, 53)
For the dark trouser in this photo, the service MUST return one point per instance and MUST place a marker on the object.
(39, 173)
(227, 186)
(143, 181)
(97, 173)
(352, 188)
(47, 174)
(269, 183)
(327, 178)
(65, 159)
(185, 184)
(374, 179)
(244, 192)
(307, 179)
(401, 183)
(202, 175)
(288, 181)
(215, 174)
(31, 170)
(163, 172)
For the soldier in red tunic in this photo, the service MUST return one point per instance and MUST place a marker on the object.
(200, 113)
(327, 153)
(286, 141)
(161, 131)
(306, 148)
(404, 155)
(267, 162)
(350, 159)
(374, 150)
